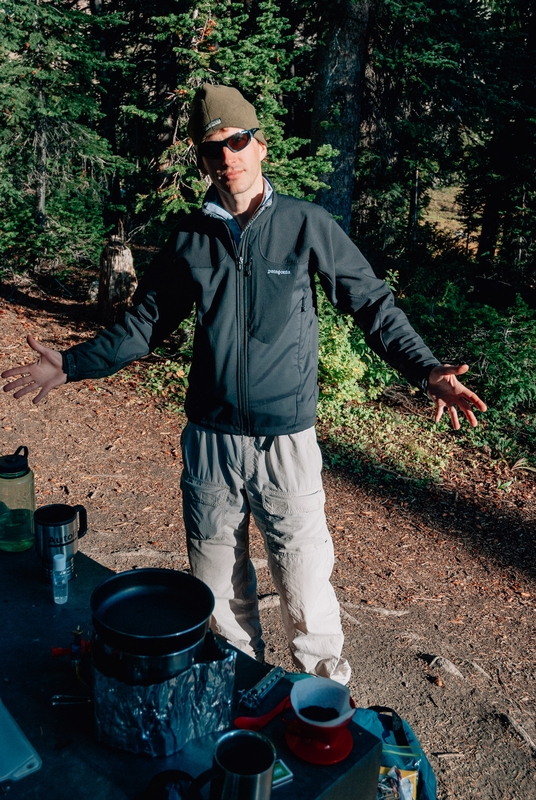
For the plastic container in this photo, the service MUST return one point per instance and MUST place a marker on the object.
(17, 756)
(60, 580)
(17, 502)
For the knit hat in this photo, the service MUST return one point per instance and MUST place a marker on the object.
(215, 107)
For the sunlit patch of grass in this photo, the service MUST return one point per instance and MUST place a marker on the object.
(374, 434)
(443, 211)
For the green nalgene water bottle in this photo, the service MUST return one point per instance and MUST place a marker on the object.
(17, 502)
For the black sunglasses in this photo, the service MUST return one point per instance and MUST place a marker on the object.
(237, 142)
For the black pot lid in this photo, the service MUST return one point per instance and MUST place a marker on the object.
(151, 611)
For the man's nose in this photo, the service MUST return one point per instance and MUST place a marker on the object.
(227, 155)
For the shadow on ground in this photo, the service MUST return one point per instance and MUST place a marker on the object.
(506, 534)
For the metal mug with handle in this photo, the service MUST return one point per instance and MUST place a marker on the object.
(58, 527)
(243, 768)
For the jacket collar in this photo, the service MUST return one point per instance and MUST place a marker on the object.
(212, 207)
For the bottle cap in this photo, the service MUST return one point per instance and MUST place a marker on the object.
(16, 464)
(59, 562)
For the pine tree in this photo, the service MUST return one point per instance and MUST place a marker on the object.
(250, 49)
(499, 195)
(423, 98)
(53, 165)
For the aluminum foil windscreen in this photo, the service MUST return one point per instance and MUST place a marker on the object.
(158, 720)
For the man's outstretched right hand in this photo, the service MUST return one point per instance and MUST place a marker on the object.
(44, 374)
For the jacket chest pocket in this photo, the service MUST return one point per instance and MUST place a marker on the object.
(273, 298)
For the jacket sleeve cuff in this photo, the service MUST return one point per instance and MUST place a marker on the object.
(422, 383)
(68, 365)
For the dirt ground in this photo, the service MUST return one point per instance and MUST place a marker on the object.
(437, 585)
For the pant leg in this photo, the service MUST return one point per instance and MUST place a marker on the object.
(225, 477)
(287, 501)
(216, 516)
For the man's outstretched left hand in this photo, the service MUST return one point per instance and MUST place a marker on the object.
(449, 394)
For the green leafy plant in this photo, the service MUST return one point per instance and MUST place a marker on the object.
(500, 348)
(167, 380)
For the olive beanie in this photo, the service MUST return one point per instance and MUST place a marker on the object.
(216, 106)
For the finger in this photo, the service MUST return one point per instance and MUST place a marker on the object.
(35, 345)
(41, 396)
(24, 369)
(21, 392)
(439, 412)
(12, 385)
(10, 373)
(454, 418)
(468, 412)
(476, 401)
(455, 369)
(472, 420)
(446, 371)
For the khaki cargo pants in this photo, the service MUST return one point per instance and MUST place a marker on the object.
(228, 478)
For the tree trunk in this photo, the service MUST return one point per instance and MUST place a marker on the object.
(489, 232)
(117, 280)
(41, 178)
(337, 100)
(413, 214)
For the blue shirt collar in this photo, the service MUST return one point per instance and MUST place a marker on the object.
(212, 206)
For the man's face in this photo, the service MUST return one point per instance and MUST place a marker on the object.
(236, 174)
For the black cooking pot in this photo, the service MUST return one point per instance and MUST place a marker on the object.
(149, 624)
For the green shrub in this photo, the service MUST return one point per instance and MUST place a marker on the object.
(355, 430)
(500, 348)
(348, 370)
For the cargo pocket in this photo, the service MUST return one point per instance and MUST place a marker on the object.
(203, 507)
(289, 505)
(296, 520)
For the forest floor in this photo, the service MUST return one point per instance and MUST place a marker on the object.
(436, 581)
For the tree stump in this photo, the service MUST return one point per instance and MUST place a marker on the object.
(117, 280)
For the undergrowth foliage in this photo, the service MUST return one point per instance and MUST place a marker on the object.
(358, 430)
(500, 349)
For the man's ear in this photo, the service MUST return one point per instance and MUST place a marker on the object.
(264, 150)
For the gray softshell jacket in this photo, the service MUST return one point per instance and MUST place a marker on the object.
(255, 353)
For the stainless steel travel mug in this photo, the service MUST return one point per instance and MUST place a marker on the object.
(243, 768)
(58, 528)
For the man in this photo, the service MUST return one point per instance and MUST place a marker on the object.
(247, 261)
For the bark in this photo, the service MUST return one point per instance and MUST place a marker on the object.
(117, 280)
(41, 177)
(337, 100)
(413, 214)
(490, 229)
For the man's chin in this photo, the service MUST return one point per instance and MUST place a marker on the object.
(232, 187)
(232, 184)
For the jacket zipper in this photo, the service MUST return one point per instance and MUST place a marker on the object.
(242, 366)
(244, 272)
